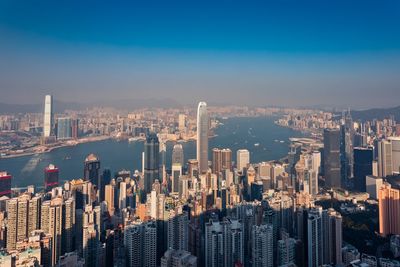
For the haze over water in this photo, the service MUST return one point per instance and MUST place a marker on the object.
(236, 133)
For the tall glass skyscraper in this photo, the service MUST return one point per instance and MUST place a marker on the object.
(202, 137)
(92, 170)
(363, 158)
(64, 128)
(332, 158)
(48, 116)
(151, 161)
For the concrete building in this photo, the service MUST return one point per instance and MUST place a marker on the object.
(178, 229)
(286, 251)
(178, 258)
(373, 184)
(389, 210)
(385, 162)
(262, 245)
(242, 159)
(395, 142)
(51, 223)
(224, 243)
(140, 242)
(315, 245)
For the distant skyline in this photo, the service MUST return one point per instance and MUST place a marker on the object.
(283, 53)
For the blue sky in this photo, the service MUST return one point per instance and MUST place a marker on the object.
(337, 53)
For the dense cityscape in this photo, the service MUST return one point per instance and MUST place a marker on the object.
(332, 201)
(204, 133)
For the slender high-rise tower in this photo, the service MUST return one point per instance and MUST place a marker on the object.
(91, 170)
(151, 161)
(332, 158)
(48, 116)
(363, 158)
(202, 137)
(242, 159)
(385, 160)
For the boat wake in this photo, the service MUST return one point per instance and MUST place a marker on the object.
(31, 165)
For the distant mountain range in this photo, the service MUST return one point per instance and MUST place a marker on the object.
(131, 104)
(376, 113)
(59, 107)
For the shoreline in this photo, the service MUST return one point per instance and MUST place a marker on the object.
(71, 168)
(71, 143)
(51, 148)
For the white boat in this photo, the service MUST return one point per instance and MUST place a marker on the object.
(256, 144)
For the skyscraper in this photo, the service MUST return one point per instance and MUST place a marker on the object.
(51, 223)
(5, 184)
(395, 141)
(263, 245)
(216, 160)
(48, 116)
(389, 210)
(224, 243)
(151, 161)
(12, 218)
(50, 177)
(109, 198)
(333, 235)
(315, 244)
(177, 155)
(242, 158)
(221, 160)
(346, 146)
(64, 128)
(34, 214)
(286, 251)
(178, 229)
(68, 226)
(384, 158)
(176, 176)
(122, 196)
(163, 154)
(22, 218)
(202, 137)
(105, 180)
(75, 128)
(182, 123)
(90, 236)
(141, 244)
(332, 158)
(92, 170)
(193, 168)
(363, 158)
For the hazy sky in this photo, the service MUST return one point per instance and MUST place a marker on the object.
(279, 52)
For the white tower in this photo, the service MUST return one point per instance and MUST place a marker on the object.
(202, 137)
(48, 116)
